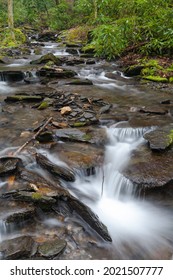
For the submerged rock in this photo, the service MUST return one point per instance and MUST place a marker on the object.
(17, 248)
(52, 248)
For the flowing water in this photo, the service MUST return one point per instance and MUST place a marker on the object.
(139, 225)
(138, 228)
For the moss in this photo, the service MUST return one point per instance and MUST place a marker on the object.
(171, 79)
(87, 137)
(156, 79)
(7, 41)
(79, 124)
(170, 137)
(43, 105)
(36, 196)
(77, 34)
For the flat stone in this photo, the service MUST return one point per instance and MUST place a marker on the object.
(154, 110)
(79, 155)
(52, 248)
(160, 139)
(91, 135)
(17, 248)
(150, 170)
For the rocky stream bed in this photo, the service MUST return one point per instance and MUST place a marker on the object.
(60, 103)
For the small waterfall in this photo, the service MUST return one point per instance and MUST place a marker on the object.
(2, 77)
(138, 224)
(3, 229)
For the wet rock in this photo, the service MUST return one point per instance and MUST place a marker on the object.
(17, 248)
(75, 61)
(12, 76)
(90, 135)
(72, 51)
(56, 73)
(47, 36)
(32, 80)
(81, 82)
(166, 101)
(90, 61)
(160, 139)
(58, 171)
(81, 156)
(105, 109)
(45, 137)
(154, 110)
(47, 58)
(149, 170)
(72, 45)
(88, 216)
(16, 213)
(52, 248)
(37, 198)
(24, 98)
(4, 60)
(133, 70)
(9, 165)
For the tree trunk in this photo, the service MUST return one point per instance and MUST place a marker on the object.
(10, 18)
(95, 9)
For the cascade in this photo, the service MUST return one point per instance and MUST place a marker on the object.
(130, 220)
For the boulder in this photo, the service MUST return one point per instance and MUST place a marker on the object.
(49, 57)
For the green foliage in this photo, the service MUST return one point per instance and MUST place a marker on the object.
(6, 39)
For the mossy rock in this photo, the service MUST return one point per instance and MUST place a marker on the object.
(49, 57)
(157, 79)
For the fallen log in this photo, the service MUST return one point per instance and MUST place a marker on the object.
(58, 171)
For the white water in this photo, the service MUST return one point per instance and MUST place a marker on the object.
(100, 80)
(4, 88)
(136, 223)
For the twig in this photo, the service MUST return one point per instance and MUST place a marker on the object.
(103, 179)
(33, 138)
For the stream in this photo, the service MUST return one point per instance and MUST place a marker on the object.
(141, 227)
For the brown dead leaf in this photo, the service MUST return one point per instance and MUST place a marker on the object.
(11, 180)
